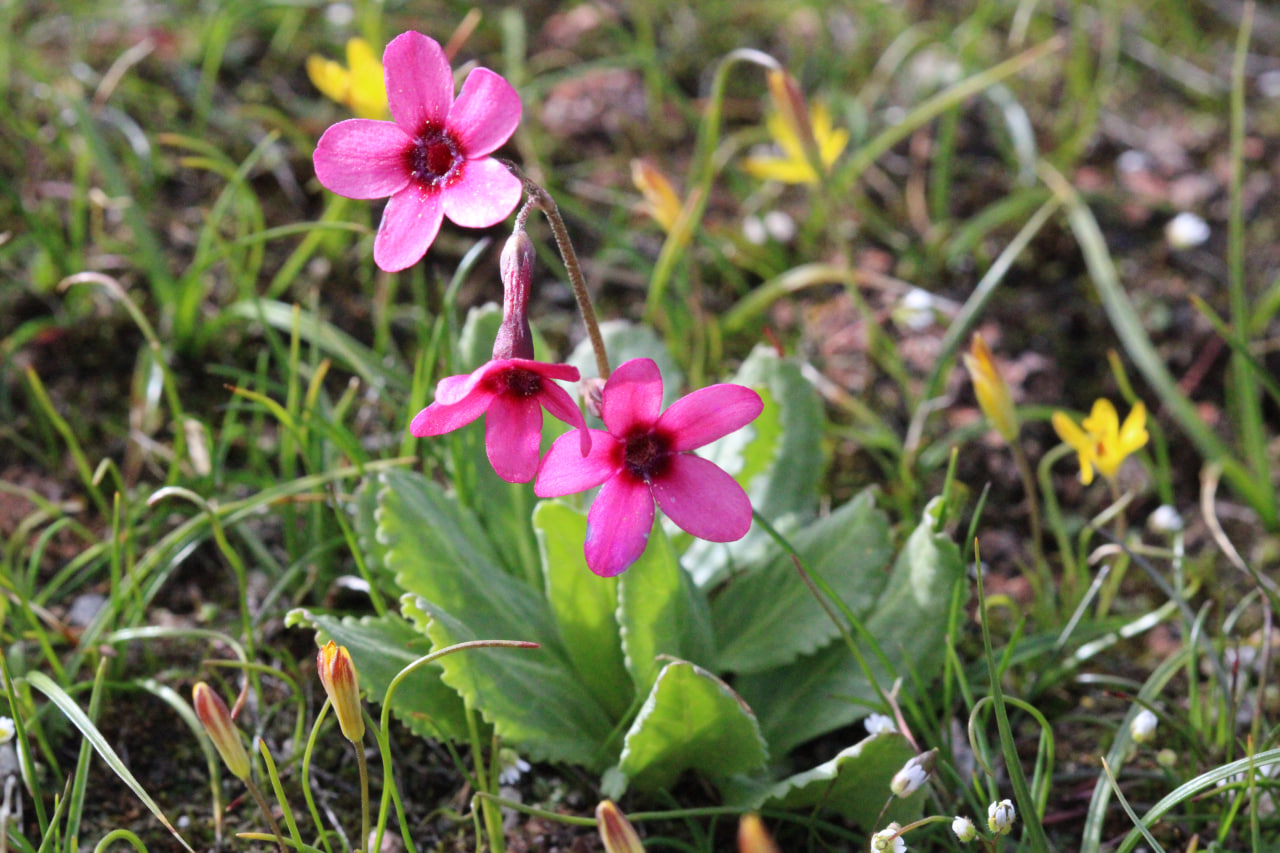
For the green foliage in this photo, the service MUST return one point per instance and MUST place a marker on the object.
(625, 680)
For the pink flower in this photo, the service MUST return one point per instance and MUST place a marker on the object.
(432, 159)
(512, 391)
(643, 458)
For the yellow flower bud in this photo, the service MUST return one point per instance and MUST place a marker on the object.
(660, 199)
(338, 675)
(216, 720)
(991, 390)
(617, 833)
(753, 837)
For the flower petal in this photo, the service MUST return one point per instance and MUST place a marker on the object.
(1133, 433)
(484, 195)
(702, 499)
(439, 418)
(513, 436)
(618, 525)
(1103, 420)
(566, 372)
(566, 471)
(419, 82)
(362, 158)
(632, 396)
(709, 413)
(486, 113)
(410, 223)
(1071, 434)
(451, 389)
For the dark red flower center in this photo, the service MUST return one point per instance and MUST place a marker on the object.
(520, 382)
(435, 158)
(647, 454)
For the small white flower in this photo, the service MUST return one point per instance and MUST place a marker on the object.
(1165, 519)
(916, 309)
(510, 766)
(1000, 817)
(753, 229)
(1186, 231)
(887, 840)
(7, 730)
(913, 774)
(1143, 726)
(964, 829)
(879, 724)
(780, 226)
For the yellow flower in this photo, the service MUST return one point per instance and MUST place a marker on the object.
(660, 199)
(1103, 441)
(362, 88)
(991, 390)
(793, 166)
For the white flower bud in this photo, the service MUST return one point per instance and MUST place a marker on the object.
(913, 774)
(1186, 231)
(879, 724)
(1143, 727)
(964, 829)
(1000, 817)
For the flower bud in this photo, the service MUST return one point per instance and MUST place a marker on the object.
(338, 675)
(1143, 727)
(991, 390)
(660, 199)
(753, 837)
(1000, 817)
(515, 338)
(913, 774)
(964, 829)
(7, 730)
(216, 720)
(879, 724)
(617, 833)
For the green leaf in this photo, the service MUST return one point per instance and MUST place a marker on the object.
(854, 784)
(661, 612)
(382, 646)
(366, 528)
(439, 550)
(769, 617)
(777, 459)
(691, 721)
(584, 606)
(625, 341)
(821, 692)
(533, 698)
(81, 721)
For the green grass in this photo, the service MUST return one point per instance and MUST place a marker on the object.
(200, 366)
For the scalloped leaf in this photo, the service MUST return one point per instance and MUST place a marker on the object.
(855, 784)
(440, 551)
(661, 612)
(382, 646)
(531, 697)
(769, 617)
(777, 459)
(584, 606)
(823, 691)
(691, 721)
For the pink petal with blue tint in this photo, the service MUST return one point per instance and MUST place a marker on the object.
(362, 158)
(709, 413)
(419, 82)
(484, 194)
(702, 499)
(410, 222)
(513, 436)
(618, 525)
(486, 113)
(566, 471)
(439, 418)
(632, 396)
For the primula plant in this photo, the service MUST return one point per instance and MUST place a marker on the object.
(686, 641)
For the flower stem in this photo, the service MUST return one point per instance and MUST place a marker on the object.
(266, 812)
(362, 764)
(544, 202)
